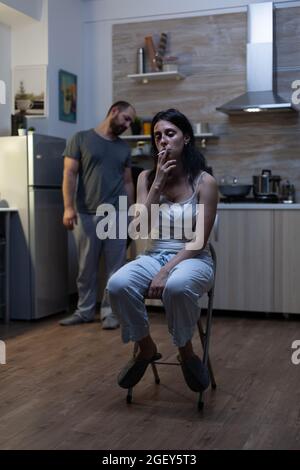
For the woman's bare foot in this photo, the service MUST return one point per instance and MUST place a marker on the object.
(186, 351)
(147, 348)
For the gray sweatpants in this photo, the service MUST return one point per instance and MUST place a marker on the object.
(89, 249)
(186, 283)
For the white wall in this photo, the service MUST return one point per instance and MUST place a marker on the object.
(30, 41)
(65, 40)
(31, 8)
(56, 41)
(100, 15)
(98, 72)
(100, 10)
(30, 47)
(5, 52)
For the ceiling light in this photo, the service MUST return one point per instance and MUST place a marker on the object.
(252, 110)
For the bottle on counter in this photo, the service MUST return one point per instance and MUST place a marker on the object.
(287, 193)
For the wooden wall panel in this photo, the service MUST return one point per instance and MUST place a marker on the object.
(287, 32)
(212, 54)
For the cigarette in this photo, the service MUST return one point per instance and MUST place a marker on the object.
(162, 151)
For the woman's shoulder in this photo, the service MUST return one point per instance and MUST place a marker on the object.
(144, 174)
(205, 179)
(207, 187)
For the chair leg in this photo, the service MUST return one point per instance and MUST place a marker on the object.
(129, 396)
(211, 374)
(203, 337)
(130, 390)
(155, 373)
(200, 401)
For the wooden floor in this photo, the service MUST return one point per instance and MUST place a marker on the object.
(58, 390)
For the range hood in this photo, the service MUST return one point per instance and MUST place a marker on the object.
(261, 94)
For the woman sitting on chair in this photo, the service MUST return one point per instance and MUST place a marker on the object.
(177, 269)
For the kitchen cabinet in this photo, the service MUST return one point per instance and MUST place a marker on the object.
(243, 240)
(287, 261)
(258, 261)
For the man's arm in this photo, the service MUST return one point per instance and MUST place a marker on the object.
(71, 167)
(128, 184)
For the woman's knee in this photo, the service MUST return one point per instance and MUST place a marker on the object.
(174, 289)
(117, 284)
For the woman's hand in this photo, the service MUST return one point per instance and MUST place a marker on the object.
(163, 169)
(158, 284)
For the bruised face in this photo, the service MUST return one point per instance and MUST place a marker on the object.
(121, 120)
(170, 138)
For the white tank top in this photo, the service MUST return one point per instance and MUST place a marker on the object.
(175, 224)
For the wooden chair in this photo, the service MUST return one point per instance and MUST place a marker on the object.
(204, 335)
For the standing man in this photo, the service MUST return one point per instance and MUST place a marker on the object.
(97, 170)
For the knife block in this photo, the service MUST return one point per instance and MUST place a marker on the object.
(151, 54)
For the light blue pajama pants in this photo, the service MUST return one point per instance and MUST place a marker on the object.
(186, 283)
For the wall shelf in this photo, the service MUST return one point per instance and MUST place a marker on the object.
(142, 137)
(148, 77)
(136, 137)
(148, 137)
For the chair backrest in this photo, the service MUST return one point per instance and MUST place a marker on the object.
(214, 257)
(211, 291)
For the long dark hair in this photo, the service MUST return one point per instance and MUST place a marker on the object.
(192, 160)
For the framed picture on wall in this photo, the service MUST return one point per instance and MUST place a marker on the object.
(29, 90)
(67, 86)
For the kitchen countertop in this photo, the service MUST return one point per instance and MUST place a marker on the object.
(221, 205)
(256, 206)
(8, 209)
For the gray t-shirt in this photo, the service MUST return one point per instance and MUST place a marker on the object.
(101, 169)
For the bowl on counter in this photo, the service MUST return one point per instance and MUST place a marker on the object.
(235, 190)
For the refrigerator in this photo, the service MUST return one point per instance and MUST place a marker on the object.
(31, 172)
